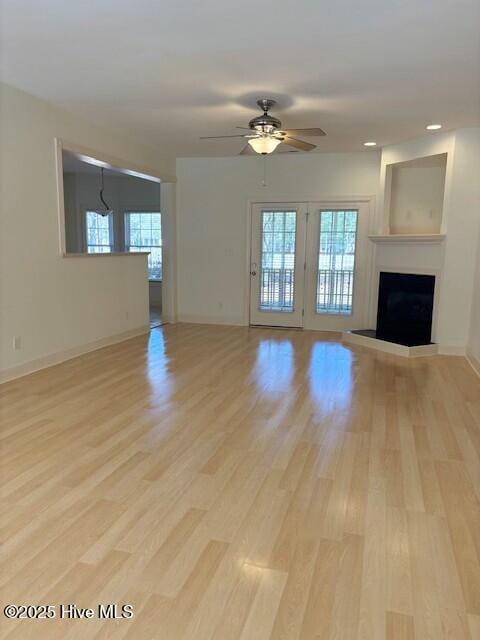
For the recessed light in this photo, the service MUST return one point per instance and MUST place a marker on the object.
(434, 127)
(369, 144)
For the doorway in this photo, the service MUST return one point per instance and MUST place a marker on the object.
(109, 211)
(308, 265)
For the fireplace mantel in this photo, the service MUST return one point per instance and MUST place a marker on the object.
(422, 238)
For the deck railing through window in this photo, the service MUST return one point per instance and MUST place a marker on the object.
(336, 261)
(276, 289)
(334, 291)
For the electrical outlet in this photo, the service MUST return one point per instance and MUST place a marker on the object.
(17, 343)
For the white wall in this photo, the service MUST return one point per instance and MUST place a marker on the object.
(417, 199)
(212, 208)
(462, 228)
(55, 304)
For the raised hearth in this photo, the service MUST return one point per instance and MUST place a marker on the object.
(404, 316)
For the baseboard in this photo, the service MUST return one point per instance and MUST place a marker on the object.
(449, 350)
(474, 363)
(194, 319)
(61, 356)
(390, 347)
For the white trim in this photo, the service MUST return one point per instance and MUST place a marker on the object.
(169, 251)
(401, 238)
(107, 255)
(197, 319)
(390, 347)
(61, 356)
(62, 238)
(248, 266)
(126, 167)
(474, 363)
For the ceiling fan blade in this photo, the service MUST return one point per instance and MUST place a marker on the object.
(299, 144)
(251, 132)
(216, 137)
(305, 132)
(247, 149)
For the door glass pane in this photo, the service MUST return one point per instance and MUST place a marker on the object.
(277, 268)
(336, 261)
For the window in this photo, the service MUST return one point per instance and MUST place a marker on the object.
(143, 232)
(336, 261)
(277, 274)
(99, 232)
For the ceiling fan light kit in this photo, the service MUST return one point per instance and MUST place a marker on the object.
(265, 133)
(265, 144)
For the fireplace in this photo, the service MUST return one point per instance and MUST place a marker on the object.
(405, 308)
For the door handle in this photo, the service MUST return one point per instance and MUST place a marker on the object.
(253, 273)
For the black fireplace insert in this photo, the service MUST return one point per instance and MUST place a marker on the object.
(405, 308)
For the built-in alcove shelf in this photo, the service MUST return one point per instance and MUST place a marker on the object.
(414, 195)
(420, 238)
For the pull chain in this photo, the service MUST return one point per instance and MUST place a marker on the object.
(264, 181)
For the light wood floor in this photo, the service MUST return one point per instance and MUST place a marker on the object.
(237, 484)
(155, 317)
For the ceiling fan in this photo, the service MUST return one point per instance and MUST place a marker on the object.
(265, 133)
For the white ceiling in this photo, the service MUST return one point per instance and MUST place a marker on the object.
(170, 71)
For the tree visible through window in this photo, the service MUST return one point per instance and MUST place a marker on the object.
(277, 273)
(99, 233)
(336, 261)
(143, 232)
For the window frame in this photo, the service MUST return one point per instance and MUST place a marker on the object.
(335, 209)
(126, 233)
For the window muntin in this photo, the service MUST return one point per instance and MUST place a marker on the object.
(336, 261)
(277, 269)
(143, 232)
(98, 232)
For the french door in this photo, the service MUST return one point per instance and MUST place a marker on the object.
(277, 265)
(308, 265)
(336, 282)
